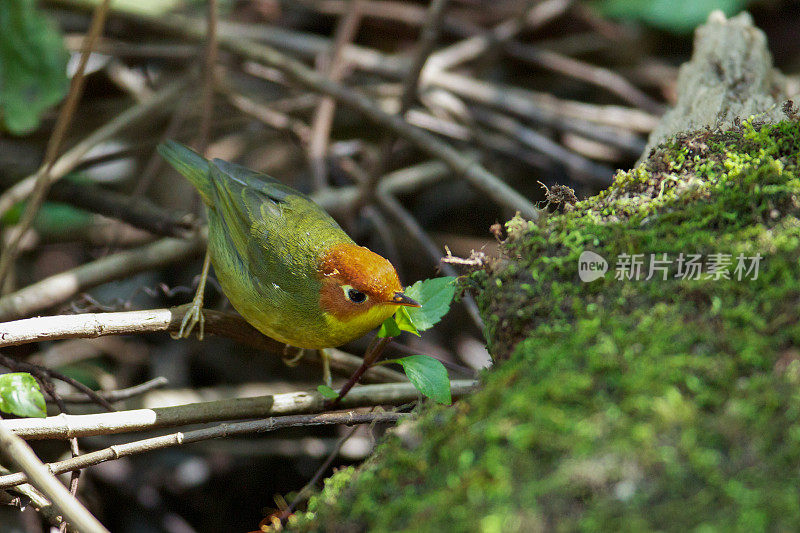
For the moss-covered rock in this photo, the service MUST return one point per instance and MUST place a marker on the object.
(622, 404)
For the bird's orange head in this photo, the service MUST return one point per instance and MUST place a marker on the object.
(359, 286)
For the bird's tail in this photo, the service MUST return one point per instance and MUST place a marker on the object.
(190, 164)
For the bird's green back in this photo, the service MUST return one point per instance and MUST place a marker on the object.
(265, 240)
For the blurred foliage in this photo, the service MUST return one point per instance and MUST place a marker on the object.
(33, 65)
(52, 219)
(677, 16)
(20, 395)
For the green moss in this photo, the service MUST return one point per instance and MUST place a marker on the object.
(621, 404)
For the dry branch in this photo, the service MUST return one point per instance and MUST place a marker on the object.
(232, 326)
(65, 426)
(215, 432)
(18, 451)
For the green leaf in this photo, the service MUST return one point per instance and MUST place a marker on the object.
(389, 328)
(428, 375)
(327, 392)
(20, 395)
(435, 295)
(404, 321)
(33, 65)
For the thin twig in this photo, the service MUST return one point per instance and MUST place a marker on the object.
(214, 432)
(23, 457)
(582, 168)
(333, 66)
(602, 77)
(59, 288)
(271, 117)
(412, 227)
(427, 41)
(209, 64)
(38, 501)
(374, 351)
(50, 389)
(544, 108)
(119, 394)
(66, 426)
(138, 212)
(312, 483)
(473, 47)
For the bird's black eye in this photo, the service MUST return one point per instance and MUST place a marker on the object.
(356, 296)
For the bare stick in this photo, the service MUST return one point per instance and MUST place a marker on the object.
(38, 501)
(583, 169)
(44, 375)
(412, 227)
(308, 487)
(66, 426)
(209, 64)
(215, 432)
(138, 212)
(230, 325)
(581, 70)
(21, 455)
(59, 288)
(427, 41)
(333, 66)
(473, 47)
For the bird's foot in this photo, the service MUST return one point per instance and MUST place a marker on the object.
(195, 313)
(292, 359)
(192, 317)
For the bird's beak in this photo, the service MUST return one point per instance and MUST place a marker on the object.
(401, 299)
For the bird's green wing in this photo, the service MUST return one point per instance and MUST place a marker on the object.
(276, 230)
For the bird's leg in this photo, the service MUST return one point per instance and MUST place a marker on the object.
(195, 312)
(292, 360)
(326, 366)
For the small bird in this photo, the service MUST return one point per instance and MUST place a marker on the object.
(282, 261)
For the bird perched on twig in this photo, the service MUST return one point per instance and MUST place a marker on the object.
(282, 261)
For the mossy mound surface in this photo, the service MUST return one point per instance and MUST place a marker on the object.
(622, 404)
